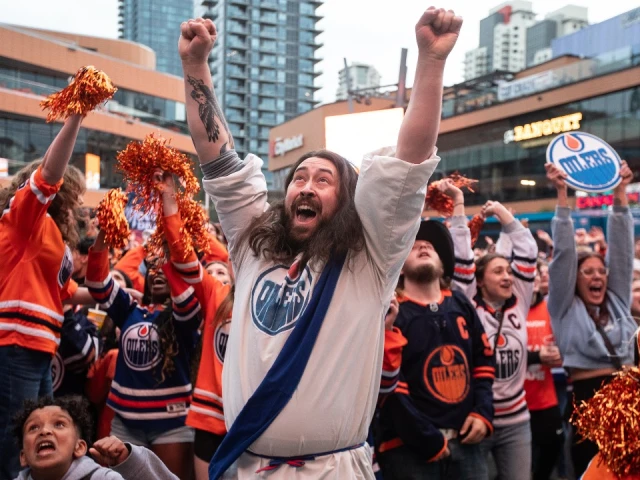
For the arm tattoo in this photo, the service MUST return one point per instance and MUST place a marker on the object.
(208, 110)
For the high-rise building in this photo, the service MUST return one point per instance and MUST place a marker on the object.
(618, 34)
(263, 65)
(511, 39)
(565, 21)
(156, 24)
(361, 76)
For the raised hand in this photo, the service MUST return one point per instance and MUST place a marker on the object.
(626, 174)
(196, 41)
(447, 187)
(556, 176)
(437, 32)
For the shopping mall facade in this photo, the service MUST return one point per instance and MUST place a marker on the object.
(36, 63)
(496, 129)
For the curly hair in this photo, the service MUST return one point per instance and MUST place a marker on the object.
(268, 235)
(62, 208)
(76, 406)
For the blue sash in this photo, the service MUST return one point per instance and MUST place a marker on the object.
(277, 387)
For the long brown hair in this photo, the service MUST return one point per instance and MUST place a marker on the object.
(268, 235)
(63, 205)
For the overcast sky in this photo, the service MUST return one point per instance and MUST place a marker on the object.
(370, 31)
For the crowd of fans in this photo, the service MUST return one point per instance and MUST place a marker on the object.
(119, 354)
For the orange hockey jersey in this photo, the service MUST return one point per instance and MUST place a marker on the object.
(206, 410)
(36, 268)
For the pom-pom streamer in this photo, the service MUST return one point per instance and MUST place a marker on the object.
(89, 88)
(442, 203)
(475, 226)
(111, 218)
(140, 160)
(611, 420)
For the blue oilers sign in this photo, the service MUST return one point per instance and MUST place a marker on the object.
(590, 163)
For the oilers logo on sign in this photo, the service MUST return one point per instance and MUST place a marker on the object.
(590, 163)
(141, 347)
(277, 300)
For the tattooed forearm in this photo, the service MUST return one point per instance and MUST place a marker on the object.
(209, 110)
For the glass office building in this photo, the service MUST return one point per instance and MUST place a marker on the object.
(492, 154)
(263, 65)
(156, 24)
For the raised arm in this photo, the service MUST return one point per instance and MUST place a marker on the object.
(563, 269)
(57, 158)
(208, 127)
(620, 235)
(436, 33)
(522, 249)
(464, 272)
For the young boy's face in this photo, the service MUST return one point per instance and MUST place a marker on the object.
(50, 442)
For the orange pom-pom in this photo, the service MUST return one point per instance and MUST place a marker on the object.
(139, 162)
(611, 419)
(111, 218)
(193, 234)
(89, 88)
(441, 202)
(475, 226)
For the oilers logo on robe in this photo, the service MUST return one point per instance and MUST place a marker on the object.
(141, 347)
(510, 356)
(279, 298)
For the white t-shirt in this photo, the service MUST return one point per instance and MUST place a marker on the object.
(335, 399)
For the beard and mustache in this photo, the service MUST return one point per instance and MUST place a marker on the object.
(424, 273)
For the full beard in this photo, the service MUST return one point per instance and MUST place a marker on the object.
(424, 274)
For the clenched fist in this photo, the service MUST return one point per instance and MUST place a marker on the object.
(437, 32)
(196, 41)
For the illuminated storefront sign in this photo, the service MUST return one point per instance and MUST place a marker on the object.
(281, 146)
(550, 126)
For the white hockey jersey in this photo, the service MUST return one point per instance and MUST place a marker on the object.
(518, 245)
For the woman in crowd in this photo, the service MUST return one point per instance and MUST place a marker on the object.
(589, 301)
(547, 434)
(212, 286)
(37, 229)
(151, 391)
(501, 288)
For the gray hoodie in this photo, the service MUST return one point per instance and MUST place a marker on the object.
(142, 464)
(576, 334)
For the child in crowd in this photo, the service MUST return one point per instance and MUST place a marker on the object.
(53, 435)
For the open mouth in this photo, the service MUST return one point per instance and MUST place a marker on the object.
(45, 447)
(596, 289)
(159, 282)
(505, 285)
(305, 213)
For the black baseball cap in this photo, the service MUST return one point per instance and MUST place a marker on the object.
(438, 235)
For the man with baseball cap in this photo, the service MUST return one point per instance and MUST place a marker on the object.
(438, 372)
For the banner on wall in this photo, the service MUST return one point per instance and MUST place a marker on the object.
(591, 164)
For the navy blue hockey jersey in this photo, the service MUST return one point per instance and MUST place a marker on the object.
(446, 374)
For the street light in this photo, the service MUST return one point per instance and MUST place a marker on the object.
(528, 183)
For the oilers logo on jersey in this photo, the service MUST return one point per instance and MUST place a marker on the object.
(446, 374)
(510, 356)
(57, 371)
(279, 298)
(141, 347)
(220, 338)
